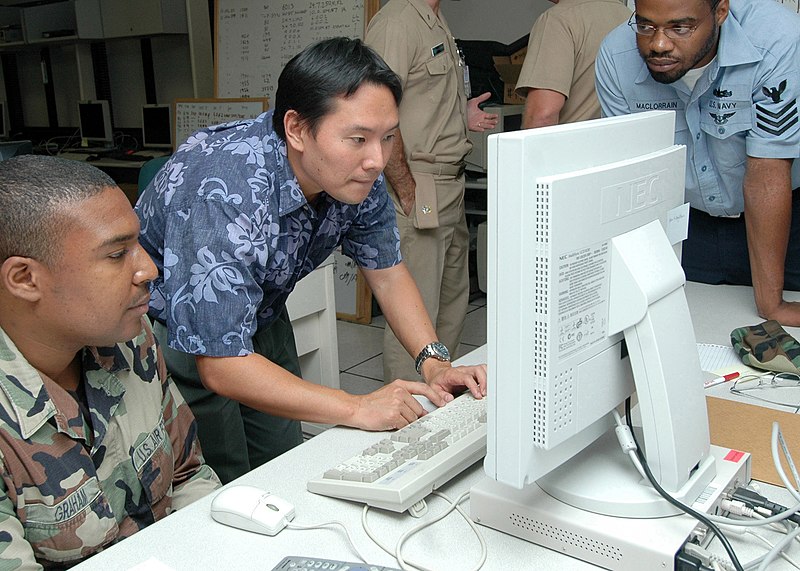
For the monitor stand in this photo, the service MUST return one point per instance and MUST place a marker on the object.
(619, 543)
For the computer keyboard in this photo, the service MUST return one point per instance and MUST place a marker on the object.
(123, 156)
(403, 468)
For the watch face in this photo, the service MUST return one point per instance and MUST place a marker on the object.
(436, 350)
(440, 350)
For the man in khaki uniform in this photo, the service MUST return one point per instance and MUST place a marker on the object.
(557, 78)
(426, 169)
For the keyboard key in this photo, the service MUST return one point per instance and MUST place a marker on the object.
(398, 471)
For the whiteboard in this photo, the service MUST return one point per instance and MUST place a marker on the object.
(194, 114)
(255, 40)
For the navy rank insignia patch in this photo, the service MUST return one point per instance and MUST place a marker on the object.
(776, 121)
(774, 93)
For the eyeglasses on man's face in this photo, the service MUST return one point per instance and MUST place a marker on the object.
(677, 32)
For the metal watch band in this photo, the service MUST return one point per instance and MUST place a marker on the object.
(436, 349)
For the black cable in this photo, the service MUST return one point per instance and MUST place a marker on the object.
(681, 506)
(687, 562)
(755, 500)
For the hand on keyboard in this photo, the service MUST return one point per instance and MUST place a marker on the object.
(447, 379)
(407, 465)
(394, 405)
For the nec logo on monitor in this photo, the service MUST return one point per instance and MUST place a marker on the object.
(623, 199)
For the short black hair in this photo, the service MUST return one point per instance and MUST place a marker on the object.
(34, 189)
(331, 68)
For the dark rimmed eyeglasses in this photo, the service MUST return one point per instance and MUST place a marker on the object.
(678, 32)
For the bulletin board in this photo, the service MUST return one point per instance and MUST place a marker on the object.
(254, 40)
(193, 114)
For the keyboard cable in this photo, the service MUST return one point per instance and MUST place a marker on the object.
(397, 551)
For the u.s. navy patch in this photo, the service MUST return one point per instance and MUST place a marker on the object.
(774, 119)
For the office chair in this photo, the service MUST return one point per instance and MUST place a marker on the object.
(149, 170)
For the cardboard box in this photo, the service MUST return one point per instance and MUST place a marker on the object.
(509, 68)
(748, 428)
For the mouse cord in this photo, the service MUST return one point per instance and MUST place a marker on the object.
(329, 524)
(397, 551)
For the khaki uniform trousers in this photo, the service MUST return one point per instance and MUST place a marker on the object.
(438, 259)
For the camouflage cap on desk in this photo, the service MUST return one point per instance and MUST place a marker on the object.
(767, 346)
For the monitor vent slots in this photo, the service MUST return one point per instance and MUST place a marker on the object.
(559, 538)
(541, 328)
(563, 401)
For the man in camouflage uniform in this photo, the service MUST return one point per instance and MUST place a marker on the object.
(96, 443)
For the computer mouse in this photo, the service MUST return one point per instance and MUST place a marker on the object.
(251, 509)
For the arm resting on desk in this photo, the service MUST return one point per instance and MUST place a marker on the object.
(768, 217)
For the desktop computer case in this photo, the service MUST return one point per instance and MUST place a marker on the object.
(621, 544)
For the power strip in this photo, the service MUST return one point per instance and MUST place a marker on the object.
(611, 542)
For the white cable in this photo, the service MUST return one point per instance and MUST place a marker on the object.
(714, 518)
(754, 523)
(374, 538)
(298, 526)
(454, 505)
(788, 455)
(769, 544)
(627, 443)
(778, 549)
(396, 552)
(777, 461)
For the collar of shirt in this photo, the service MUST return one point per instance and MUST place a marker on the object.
(426, 12)
(31, 405)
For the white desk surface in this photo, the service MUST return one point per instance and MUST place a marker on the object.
(191, 540)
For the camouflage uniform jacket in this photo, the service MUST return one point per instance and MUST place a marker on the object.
(68, 490)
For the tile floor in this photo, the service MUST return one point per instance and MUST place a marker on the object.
(361, 346)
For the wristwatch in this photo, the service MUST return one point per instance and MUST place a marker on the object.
(436, 350)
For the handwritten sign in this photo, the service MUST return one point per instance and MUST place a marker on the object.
(255, 40)
(194, 114)
(353, 296)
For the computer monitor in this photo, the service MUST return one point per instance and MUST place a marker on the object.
(586, 307)
(95, 123)
(157, 127)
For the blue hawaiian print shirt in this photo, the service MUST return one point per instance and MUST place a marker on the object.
(231, 232)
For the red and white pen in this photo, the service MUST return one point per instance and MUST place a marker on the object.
(720, 380)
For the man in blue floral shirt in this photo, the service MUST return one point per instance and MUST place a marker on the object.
(240, 213)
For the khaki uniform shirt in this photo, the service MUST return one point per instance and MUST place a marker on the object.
(561, 51)
(419, 47)
(68, 489)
